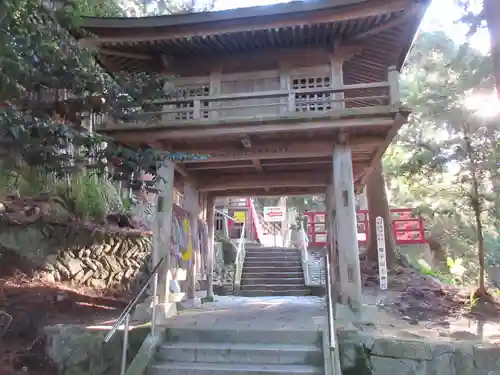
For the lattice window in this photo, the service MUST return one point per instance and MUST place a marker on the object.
(188, 91)
(219, 222)
(317, 101)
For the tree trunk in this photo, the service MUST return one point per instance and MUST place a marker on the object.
(379, 206)
(492, 15)
(476, 205)
(480, 245)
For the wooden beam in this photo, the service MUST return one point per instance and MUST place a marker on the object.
(269, 192)
(233, 62)
(280, 150)
(263, 180)
(329, 13)
(345, 52)
(209, 166)
(143, 134)
(414, 9)
(137, 56)
(398, 123)
(294, 151)
(257, 165)
(274, 146)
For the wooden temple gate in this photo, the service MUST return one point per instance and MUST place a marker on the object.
(289, 99)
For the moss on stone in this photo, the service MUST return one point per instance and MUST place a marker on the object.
(354, 359)
(77, 350)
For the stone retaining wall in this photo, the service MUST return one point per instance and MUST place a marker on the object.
(368, 354)
(78, 350)
(77, 254)
(80, 255)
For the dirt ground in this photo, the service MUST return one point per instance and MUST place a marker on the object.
(416, 297)
(26, 305)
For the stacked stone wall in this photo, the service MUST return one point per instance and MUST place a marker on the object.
(77, 254)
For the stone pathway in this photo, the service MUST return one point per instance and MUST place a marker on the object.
(262, 313)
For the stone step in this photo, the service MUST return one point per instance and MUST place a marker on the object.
(263, 263)
(273, 286)
(272, 248)
(245, 280)
(243, 336)
(271, 275)
(241, 353)
(203, 368)
(250, 268)
(277, 293)
(274, 257)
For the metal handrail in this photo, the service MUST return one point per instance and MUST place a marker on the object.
(329, 301)
(125, 315)
(226, 215)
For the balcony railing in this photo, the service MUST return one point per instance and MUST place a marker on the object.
(266, 105)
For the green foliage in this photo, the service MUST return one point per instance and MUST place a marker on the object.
(426, 269)
(39, 58)
(446, 162)
(84, 195)
(89, 197)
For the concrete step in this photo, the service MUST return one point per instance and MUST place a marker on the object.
(245, 280)
(202, 368)
(243, 336)
(277, 293)
(241, 353)
(251, 268)
(272, 275)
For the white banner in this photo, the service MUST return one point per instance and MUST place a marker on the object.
(382, 260)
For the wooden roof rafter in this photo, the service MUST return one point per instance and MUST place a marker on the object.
(299, 13)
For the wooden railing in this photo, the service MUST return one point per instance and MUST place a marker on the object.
(266, 104)
(408, 228)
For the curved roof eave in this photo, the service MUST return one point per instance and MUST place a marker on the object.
(275, 10)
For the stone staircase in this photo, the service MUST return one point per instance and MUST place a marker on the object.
(189, 351)
(273, 272)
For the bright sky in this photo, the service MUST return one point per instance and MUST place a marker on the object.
(434, 19)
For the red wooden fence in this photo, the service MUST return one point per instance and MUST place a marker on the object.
(408, 228)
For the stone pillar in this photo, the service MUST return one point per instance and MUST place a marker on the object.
(346, 228)
(191, 202)
(211, 237)
(162, 229)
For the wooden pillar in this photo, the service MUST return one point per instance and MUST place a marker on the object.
(191, 201)
(162, 229)
(215, 89)
(337, 81)
(346, 228)
(331, 247)
(394, 94)
(211, 237)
